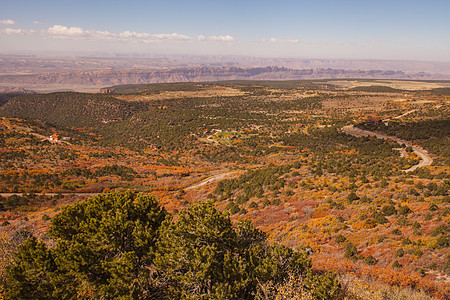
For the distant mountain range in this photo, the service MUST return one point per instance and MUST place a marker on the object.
(90, 73)
(196, 74)
(51, 62)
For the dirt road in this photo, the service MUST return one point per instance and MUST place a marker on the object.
(202, 183)
(51, 194)
(426, 160)
(401, 116)
(210, 180)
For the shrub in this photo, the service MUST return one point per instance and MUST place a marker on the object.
(288, 193)
(340, 239)
(396, 264)
(400, 253)
(104, 247)
(365, 199)
(352, 197)
(406, 241)
(276, 201)
(417, 252)
(389, 210)
(416, 225)
(125, 246)
(350, 251)
(370, 260)
(253, 205)
(233, 208)
(370, 223)
(403, 221)
(404, 210)
(381, 238)
(433, 207)
(414, 192)
(379, 218)
(396, 231)
(441, 229)
(202, 254)
(442, 242)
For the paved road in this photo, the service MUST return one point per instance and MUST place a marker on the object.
(426, 160)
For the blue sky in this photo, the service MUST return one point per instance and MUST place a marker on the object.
(395, 29)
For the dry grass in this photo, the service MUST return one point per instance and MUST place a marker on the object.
(47, 88)
(216, 91)
(396, 84)
(358, 289)
(372, 103)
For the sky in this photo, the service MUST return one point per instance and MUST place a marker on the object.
(335, 29)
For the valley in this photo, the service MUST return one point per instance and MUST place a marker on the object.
(356, 171)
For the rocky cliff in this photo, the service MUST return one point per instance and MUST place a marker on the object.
(136, 76)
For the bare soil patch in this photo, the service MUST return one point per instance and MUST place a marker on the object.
(217, 91)
(396, 84)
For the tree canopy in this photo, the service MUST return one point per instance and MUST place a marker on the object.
(126, 246)
(104, 248)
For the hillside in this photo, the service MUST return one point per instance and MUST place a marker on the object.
(9, 93)
(271, 152)
(69, 109)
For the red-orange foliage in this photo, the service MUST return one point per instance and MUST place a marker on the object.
(381, 274)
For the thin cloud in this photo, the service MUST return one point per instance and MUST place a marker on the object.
(221, 38)
(331, 44)
(8, 22)
(64, 32)
(321, 43)
(279, 41)
(168, 37)
(37, 23)
(13, 31)
(78, 33)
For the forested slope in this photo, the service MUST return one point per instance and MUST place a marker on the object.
(69, 109)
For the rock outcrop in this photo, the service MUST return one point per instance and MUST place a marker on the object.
(196, 74)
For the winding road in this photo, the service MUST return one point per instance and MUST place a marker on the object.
(194, 186)
(423, 154)
(210, 180)
(426, 160)
(51, 194)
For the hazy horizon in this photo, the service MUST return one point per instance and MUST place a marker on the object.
(359, 30)
(118, 54)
